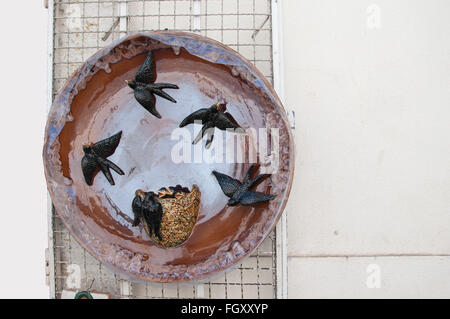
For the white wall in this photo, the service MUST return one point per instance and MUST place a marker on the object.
(23, 194)
(370, 84)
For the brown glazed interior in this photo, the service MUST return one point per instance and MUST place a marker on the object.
(96, 103)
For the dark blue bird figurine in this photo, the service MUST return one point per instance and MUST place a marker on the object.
(148, 211)
(214, 116)
(144, 88)
(240, 193)
(95, 159)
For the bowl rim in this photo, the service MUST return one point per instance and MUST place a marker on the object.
(196, 45)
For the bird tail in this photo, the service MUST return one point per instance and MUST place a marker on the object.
(107, 172)
(163, 94)
(114, 167)
(258, 179)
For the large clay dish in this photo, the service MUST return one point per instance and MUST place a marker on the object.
(96, 103)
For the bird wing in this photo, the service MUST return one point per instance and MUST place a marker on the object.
(223, 121)
(145, 73)
(136, 206)
(89, 167)
(145, 98)
(152, 213)
(156, 219)
(106, 147)
(201, 114)
(253, 198)
(229, 185)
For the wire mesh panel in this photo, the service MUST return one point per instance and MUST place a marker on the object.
(82, 27)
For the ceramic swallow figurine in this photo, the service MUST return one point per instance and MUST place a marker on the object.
(214, 116)
(172, 192)
(144, 88)
(240, 193)
(95, 159)
(169, 215)
(148, 211)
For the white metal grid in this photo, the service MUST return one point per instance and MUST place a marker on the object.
(82, 27)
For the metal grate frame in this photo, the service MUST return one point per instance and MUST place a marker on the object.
(82, 27)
